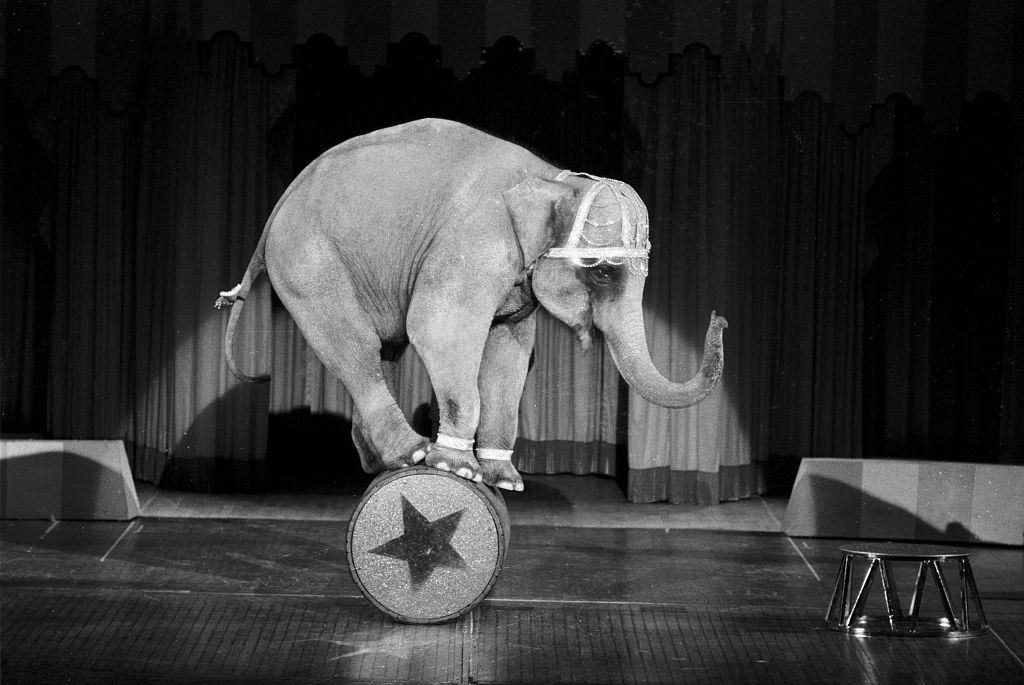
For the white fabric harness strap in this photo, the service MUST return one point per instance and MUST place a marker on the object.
(453, 443)
(635, 246)
(466, 445)
(493, 454)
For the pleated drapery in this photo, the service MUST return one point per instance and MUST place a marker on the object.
(760, 209)
(758, 212)
(169, 199)
(709, 172)
(944, 313)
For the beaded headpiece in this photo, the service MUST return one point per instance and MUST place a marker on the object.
(593, 236)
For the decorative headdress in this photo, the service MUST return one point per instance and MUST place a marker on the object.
(593, 236)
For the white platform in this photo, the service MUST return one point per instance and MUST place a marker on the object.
(66, 479)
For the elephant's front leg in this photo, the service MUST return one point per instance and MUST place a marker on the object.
(503, 370)
(451, 343)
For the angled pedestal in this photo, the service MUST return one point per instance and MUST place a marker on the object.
(66, 479)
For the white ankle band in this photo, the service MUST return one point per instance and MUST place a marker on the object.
(453, 443)
(493, 454)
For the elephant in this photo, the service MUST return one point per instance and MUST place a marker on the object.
(439, 235)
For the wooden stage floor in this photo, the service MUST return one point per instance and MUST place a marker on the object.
(211, 600)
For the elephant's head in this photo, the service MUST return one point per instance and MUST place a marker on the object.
(587, 239)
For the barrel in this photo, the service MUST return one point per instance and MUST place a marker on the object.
(426, 546)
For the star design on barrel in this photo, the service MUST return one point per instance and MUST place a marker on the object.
(425, 545)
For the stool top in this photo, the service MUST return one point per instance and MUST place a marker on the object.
(903, 551)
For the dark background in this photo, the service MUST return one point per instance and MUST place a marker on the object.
(940, 339)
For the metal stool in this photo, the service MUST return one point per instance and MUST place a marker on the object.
(846, 612)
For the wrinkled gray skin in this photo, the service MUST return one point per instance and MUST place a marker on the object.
(424, 233)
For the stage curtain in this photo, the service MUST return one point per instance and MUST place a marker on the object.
(1011, 436)
(158, 208)
(708, 170)
(89, 227)
(945, 317)
(757, 210)
(26, 279)
(760, 209)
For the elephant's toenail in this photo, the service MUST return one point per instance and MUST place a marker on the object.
(442, 465)
(418, 456)
(464, 473)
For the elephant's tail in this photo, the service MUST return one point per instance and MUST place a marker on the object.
(235, 298)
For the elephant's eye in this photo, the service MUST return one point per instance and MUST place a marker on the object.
(605, 273)
(603, 281)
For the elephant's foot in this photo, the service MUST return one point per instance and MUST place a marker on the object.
(500, 473)
(460, 462)
(396, 447)
(414, 454)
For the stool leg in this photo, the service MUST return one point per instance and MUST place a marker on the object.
(973, 589)
(892, 600)
(947, 605)
(840, 594)
(862, 595)
(965, 608)
(915, 601)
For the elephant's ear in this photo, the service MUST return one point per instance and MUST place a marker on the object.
(534, 207)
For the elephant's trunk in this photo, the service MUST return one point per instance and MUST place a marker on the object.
(624, 331)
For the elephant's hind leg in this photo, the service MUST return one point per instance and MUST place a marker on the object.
(321, 299)
(370, 460)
